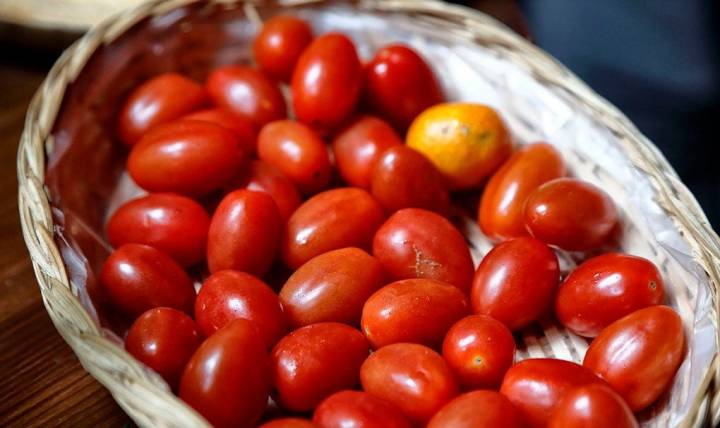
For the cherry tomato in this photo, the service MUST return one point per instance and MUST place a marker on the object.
(479, 350)
(244, 233)
(248, 93)
(332, 287)
(337, 218)
(279, 44)
(535, 386)
(185, 156)
(159, 100)
(263, 177)
(228, 379)
(358, 147)
(412, 377)
(298, 152)
(415, 243)
(315, 361)
(501, 208)
(138, 278)
(404, 178)
(595, 406)
(639, 354)
(164, 339)
(399, 85)
(326, 82)
(570, 214)
(227, 295)
(243, 129)
(478, 409)
(604, 289)
(515, 282)
(358, 409)
(289, 423)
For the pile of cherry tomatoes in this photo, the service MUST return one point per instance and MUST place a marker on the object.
(375, 316)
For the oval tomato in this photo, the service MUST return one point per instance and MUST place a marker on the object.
(358, 409)
(263, 177)
(243, 129)
(596, 406)
(478, 409)
(279, 44)
(289, 423)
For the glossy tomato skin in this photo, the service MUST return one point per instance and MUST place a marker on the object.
(159, 100)
(639, 354)
(479, 350)
(501, 213)
(358, 147)
(332, 287)
(137, 278)
(478, 409)
(399, 85)
(595, 406)
(416, 243)
(412, 377)
(298, 152)
(358, 409)
(279, 45)
(243, 129)
(315, 361)
(164, 339)
(516, 282)
(337, 218)
(228, 379)
(263, 177)
(244, 233)
(604, 289)
(571, 214)
(289, 423)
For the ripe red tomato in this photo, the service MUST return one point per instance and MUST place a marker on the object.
(248, 93)
(604, 289)
(358, 147)
(243, 129)
(413, 377)
(596, 406)
(298, 152)
(228, 379)
(515, 282)
(164, 339)
(244, 233)
(479, 350)
(332, 287)
(358, 409)
(138, 278)
(315, 361)
(412, 310)
(263, 177)
(570, 214)
(159, 100)
(171, 223)
(289, 423)
(478, 409)
(227, 295)
(279, 44)
(501, 208)
(326, 82)
(337, 218)
(399, 85)
(416, 243)
(639, 354)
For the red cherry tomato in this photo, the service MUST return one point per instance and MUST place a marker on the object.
(242, 128)
(479, 350)
(501, 208)
(244, 233)
(289, 423)
(515, 282)
(412, 377)
(358, 409)
(570, 214)
(315, 361)
(298, 152)
(164, 339)
(604, 289)
(415, 243)
(596, 406)
(358, 147)
(399, 85)
(171, 223)
(639, 354)
(332, 287)
(478, 409)
(159, 100)
(138, 278)
(337, 218)
(263, 177)
(326, 82)
(248, 93)
(227, 379)
(227, 295)
(279, 44)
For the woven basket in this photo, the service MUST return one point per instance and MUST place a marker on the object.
(69, 163)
